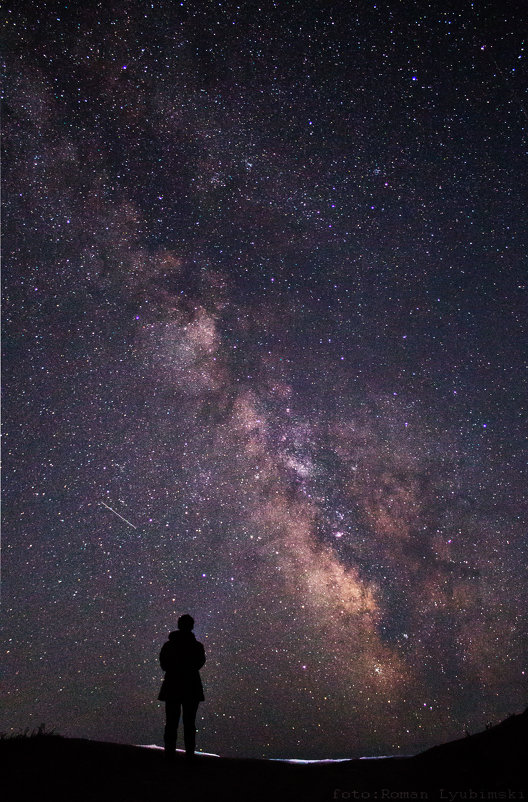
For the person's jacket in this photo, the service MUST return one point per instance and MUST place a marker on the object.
(182, 657)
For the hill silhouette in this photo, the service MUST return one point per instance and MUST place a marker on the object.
(488, 765)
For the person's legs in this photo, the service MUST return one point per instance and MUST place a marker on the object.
(189, 726)
(172, 718)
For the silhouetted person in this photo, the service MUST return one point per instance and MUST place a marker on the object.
(181, 657)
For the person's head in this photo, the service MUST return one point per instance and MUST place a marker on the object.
(185, 623)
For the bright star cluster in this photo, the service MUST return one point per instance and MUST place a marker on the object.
(264, 327)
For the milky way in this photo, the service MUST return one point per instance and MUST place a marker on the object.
(265, 298)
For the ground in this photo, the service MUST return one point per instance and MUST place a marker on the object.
(488, 765)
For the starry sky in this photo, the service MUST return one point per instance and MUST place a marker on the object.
(264, 353)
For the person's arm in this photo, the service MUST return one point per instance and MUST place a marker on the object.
(200, 656)
(163, 658)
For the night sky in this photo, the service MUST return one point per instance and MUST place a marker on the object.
(264, 276)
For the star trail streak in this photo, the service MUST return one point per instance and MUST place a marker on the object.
(118, 515)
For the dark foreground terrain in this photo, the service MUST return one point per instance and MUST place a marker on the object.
(490, 765)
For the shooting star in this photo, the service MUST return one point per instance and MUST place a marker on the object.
(118, 515)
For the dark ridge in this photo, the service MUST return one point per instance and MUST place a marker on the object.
(488, 765)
